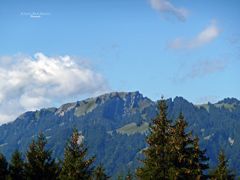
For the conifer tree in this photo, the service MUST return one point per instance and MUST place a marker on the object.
(222, 172)
(199, 161)
(16, 166)
(99, 173)
(189, 160)
(76, 166)
(40, 164)
(3, 167)
(183, 148)
(172, 153)
(158, 163)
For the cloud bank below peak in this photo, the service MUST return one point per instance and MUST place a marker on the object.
(167, 8)
(206, 36)
(29, 83)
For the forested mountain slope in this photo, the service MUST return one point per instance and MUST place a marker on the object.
(114, 127)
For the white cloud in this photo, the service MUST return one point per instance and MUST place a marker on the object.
(28, 83)
(164, 6)
(206, 67)
(210, 33)
(200, 69)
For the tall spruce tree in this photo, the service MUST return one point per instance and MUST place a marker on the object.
(76, 166)
(40, 164)
(3, 167)
(158, 162)
(172, 153)
(183, 148)
(222, 172)
(199, 161)
(16, 166)
(189, 160)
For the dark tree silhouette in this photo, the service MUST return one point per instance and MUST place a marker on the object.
(75, 163)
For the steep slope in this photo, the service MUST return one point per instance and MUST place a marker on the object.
(114, 127)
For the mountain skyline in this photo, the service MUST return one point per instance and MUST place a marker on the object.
(228, 101)
(114, 127)
(56, 51)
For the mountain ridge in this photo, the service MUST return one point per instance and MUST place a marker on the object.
(227, 100)
(115, 126)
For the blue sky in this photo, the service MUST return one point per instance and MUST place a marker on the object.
(158, 47)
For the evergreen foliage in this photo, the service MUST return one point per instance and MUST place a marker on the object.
(100, 174)
(3, 167)
(76, 166)
(40, 164)
(172, 152)
(215, 124)
(199, 161)
(190, 160)
(16, 166)
(183, 148)
(222, 172)
(158, 162)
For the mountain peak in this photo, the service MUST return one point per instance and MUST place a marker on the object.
(180, 99)
(90, 104)
(229, 101)
(121, 119)
(122, 94)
